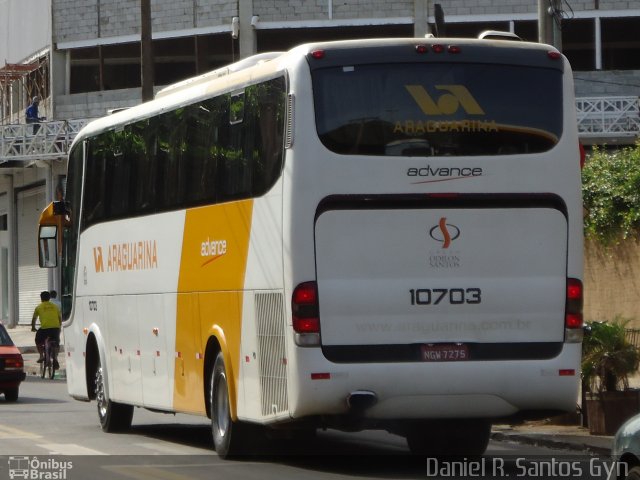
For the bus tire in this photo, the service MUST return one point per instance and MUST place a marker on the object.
(228, 436)
(458, 438)
(113, 416)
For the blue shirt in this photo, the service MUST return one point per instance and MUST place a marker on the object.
(32, 112)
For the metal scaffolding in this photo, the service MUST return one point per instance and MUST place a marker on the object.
(19, 83)
(38, 141)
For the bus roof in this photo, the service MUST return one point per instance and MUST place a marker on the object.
(381, 50)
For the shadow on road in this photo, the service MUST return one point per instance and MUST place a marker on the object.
(191, 435)
(327, 452)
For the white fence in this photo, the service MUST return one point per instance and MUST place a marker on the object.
(608, 117)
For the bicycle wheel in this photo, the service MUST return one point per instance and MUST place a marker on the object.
(45, 359)
(50, 365)
(53, 347)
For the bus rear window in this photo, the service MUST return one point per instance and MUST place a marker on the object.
(438, 109)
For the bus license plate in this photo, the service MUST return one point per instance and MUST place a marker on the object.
(445, 353)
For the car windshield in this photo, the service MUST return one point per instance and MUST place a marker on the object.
(5, 340)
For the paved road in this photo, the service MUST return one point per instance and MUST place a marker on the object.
(46, 426)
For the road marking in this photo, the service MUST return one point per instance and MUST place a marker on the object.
(68, 449)
(173, 449)
(142, 472)
(9, 432)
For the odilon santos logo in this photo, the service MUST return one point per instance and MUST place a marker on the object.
(444, 232)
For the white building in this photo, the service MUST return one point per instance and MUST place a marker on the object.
(83, 58)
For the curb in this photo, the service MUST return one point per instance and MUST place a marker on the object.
(33, 349)
(32, 368)
(32, 371)
(30, 349)
(540, 441)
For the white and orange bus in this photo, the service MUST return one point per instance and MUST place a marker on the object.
(358, 234)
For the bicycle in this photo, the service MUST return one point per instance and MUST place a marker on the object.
(50, 363)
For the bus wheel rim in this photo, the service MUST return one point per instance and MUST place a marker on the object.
(100, 397)
(222, 406)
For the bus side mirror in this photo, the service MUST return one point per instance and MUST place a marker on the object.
(48, 246)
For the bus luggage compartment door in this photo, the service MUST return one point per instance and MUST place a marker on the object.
(396, 279)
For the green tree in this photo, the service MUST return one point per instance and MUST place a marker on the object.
(611, 194)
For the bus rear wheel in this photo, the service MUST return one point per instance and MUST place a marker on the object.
(114, 417)
(459, 438)
(228, 436)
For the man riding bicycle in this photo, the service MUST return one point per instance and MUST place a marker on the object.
(50, 321)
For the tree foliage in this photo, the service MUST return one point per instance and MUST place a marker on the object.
(611, 194)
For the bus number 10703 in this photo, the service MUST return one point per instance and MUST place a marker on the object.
(453, 296)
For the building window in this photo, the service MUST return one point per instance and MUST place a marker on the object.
(112, 67)
(620, 43)
(578, 43)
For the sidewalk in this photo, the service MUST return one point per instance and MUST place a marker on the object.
(23, 337)
(573, 438)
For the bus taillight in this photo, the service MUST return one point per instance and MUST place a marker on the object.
(305, 313)
(573, 320)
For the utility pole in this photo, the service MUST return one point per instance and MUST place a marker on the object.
(549, 17)
(556, 30)
(545, 33)
(146, 51)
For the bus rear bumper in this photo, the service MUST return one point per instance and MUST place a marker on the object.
(433, 390)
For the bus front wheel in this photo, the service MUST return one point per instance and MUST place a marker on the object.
(227, 434)
(114, 417)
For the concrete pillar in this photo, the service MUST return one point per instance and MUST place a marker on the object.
(12, 226)
(58, 78)
(598, 41)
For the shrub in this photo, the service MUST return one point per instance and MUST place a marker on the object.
(608, 358)
(611, 194)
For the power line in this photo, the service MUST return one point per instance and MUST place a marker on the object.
(591, 80)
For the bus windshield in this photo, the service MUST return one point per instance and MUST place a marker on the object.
(462, 109)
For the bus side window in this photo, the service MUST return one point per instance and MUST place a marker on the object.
(93, 210)
(119, 173)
